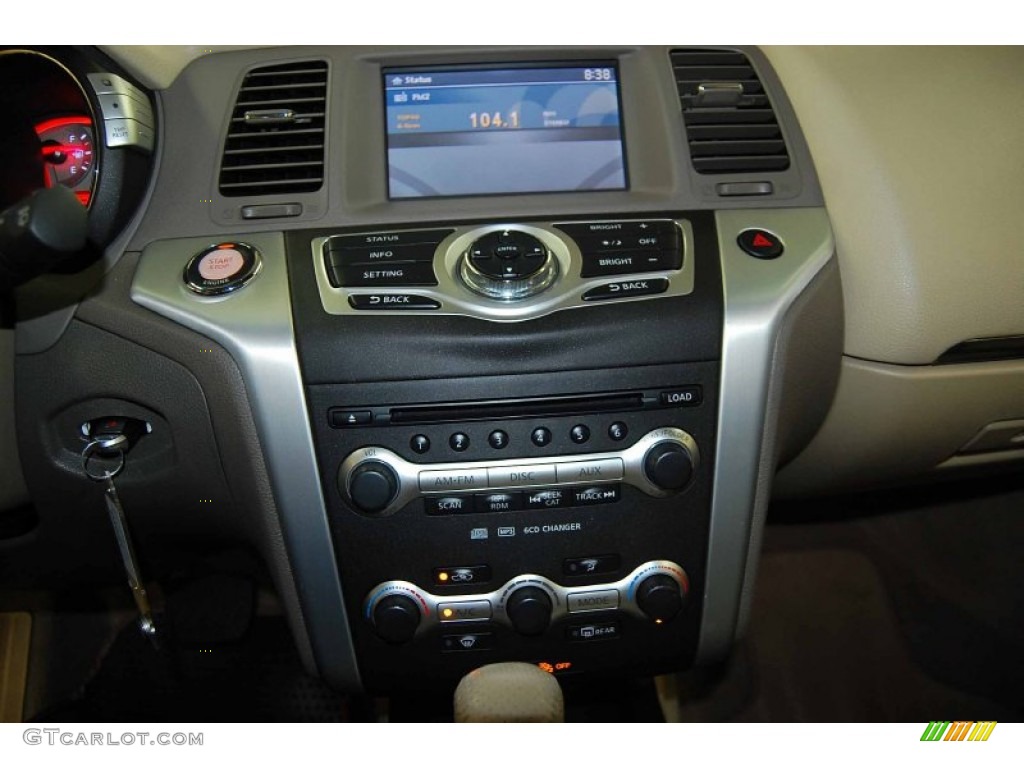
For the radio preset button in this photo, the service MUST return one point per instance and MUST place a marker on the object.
(541, 436)
(419, 444)
(459, 441)
(595, 470)
(468, 610)
(617, 431)
(498, 439)
(453, 479)
(519, 475)
(597, 600)
(579, 434)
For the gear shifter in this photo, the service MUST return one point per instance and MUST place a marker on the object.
(510, 692)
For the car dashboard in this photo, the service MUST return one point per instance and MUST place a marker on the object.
(490, 353)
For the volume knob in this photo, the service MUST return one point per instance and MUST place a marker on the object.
(668, 465)
(371, 486)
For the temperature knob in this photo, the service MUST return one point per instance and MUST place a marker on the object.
(659, 597)
(395, 618)
(508, 265)
(529, 610)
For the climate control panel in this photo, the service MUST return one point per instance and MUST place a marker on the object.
(529, 604)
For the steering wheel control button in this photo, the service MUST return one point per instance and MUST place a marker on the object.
(419, 444)
(508, 265)
(601, 494)
(392, 301)
(461, 575)
(471, 641)
(668, 466)
(498, 439)
(597, 600)
(605, 630)
(579, 434)
(519, 475)
(541, 436)
(466, 610)
(340, 417)
(459, 441)
(529, 610)
(396, 618)
(222, 268)
(760, 244)
(585, 566)
(591, 471)
(437, 506)
(618, 431)
(627, 289)
(551, 499)
(683, 396)
(499, 502)
(433, 480)
(399, 273)
(372, 486)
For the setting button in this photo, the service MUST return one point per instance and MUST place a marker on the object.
(598, 600)
(403, 273)
(519, 475)
(596, 470)
(392, 301)
(626, 289)
(452, 479)
(468, 610)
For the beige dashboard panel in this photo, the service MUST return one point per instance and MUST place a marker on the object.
(891, 422)
(920, 154)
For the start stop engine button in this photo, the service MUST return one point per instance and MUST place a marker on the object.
(222, 268)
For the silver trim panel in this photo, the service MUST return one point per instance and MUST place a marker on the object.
(416, 480)
(456, 298)
(565, 601)
(255, 326)
(758, 294)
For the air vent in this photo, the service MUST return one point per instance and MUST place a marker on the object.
(730, 123)
(275, 143)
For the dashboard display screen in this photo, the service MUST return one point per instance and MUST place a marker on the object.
(550, 128)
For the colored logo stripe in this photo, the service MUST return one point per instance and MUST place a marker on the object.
(960, 730)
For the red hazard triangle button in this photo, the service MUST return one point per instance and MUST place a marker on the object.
(760, 244)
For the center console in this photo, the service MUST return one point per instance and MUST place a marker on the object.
(521, 370)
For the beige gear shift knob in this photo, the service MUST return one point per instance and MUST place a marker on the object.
(510, 692)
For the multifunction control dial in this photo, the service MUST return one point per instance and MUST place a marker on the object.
(508, 265)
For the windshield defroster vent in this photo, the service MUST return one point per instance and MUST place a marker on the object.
(730, 124)
(275, 141)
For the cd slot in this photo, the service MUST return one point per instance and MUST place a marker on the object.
(517, 409)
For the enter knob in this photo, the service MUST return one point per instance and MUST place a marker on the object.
(668, 465)
(372, 486)
(395, 618)
(529, 610)
(659, 597)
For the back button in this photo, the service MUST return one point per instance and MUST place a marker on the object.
(392, 301)
(625, 289)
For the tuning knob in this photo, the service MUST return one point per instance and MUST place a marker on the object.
(371, 486)
(668, 465)
(659, 597)
(395, 618)
(529, 610)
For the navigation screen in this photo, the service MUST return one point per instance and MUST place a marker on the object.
(501, 131)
